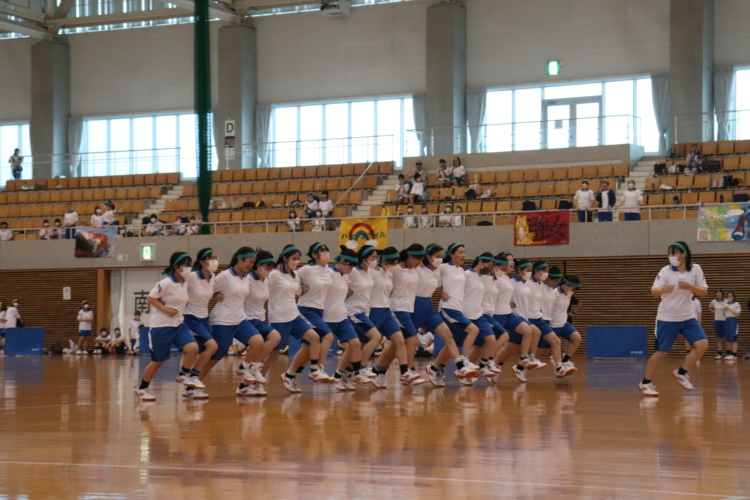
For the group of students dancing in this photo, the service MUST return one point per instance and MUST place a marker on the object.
(495, 310)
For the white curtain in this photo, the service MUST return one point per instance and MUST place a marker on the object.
(660, 91)
(418, 101)
(115, 294)
(724, 102)
(75, 136)
(263, 133)
(476, 107)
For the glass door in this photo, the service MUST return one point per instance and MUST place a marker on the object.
(574, 122)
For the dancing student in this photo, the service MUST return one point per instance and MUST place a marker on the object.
(675, 285)
(316, 278)
(554, 277)
(453, 284)
(563, 294)
(284, 316)
(200, 292)
(85, 317)
(489, 305)
(717, 306)
(335, 314)
(360, 283)
(168, 300)
(522, 335)
(255, 313)
(425, 315)
(732, 311)
(401, 303)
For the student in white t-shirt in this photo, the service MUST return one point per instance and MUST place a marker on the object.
(70, 220)
(731, 326)
(417, 189)
(632, 199)
(97, 219)
(717, 306)
(583, 200)
(410, 219)
(5, 233)
(458, 172)
(325, 204)
(133, 333)
(675, 285)
(100, 342)
(85, 317)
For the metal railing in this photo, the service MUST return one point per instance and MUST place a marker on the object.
(730, 126)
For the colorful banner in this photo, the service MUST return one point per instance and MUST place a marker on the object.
(95, 241)
(541, 228)
(727, 222)
(355, 233)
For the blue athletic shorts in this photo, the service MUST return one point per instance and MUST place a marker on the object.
(455, 318)
(510, 322)
(362, 325)
(494, 324)
(405, 323)
(565, 331)
(731, 328)
(383, 319)
(263, 327)
(425, 315)
(160, 340)
(666, 333)
(199, 327)
(344, 330)
(719, 329)
(223, 334)
(296, 328)
(485, 330)
(314, 318)
(84, 333)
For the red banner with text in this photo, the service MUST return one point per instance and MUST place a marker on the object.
(541, 228)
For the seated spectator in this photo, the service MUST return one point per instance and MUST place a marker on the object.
(444, 175)
(690, 170)
(45, 233)
(179, 227)
(694, 159)
(418, 169)
(402, 190)
(417, 190)
(194, 227)
(57, 231)
(293, 222)
(446, 218)
(426, 347)
(155, 227)
(100, 342)
(319, 222)
(5, 233)
(97, 220)
(117, 343)
(458, 217)
(425, 220)
(311, 205)
(458, 174)
(325, 205)
(109, 214)
(410, 220)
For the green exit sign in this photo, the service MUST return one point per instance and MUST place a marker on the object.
(554, 68)
(148, 251)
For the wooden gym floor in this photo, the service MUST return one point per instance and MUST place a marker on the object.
(71, 427)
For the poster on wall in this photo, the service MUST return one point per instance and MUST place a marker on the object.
(541, 228)
(726, 222)
(95, 242)
(136, 285)
(355, 233)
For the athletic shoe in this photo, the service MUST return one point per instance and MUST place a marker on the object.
(241, 369)
(85, 353)
(290, 384)
(470, 365)
(684, 380)
(520, 374)
(320, 376)
(730, 357)
(569, 368)
(189, 393)
(559, 371)
(145, 394)
(486, 371)
(257, 390)
(243, 391)
(718, 357)
(411, 379)
(648, 389)
(349, 381)
(494, 367)
(411, 376)
(253, 374)
(379, 381)
(182, 379)
(529, 363)
(539, 364)
(97, 351)
(367, 370)
(339, 384)
(434, 376)
(361, 378)
(465, 372)
(79, 352)
(193, 381)
(467, 381)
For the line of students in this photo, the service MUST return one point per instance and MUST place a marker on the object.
(358, 298)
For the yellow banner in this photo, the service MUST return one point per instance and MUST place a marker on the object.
(355, 233)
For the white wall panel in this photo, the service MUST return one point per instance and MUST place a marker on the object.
(15, 80)
(731, 33)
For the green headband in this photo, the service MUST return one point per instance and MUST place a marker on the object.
(249, 255)
(501, 262)
(555, 275)
(368, 251)
(485, 258)
(390, 256)
(416, 253)
(316, 247)
(349, 258)
(541, 266)
(208, 252)
(430, 247)
(679, 245)
(267, 260)
(289, 250)
(176, 261)
(525, 264)
(574, 285)
(453, 248)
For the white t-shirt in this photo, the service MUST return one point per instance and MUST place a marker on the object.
(325, 206)
(97, 220)
(318, 279)
(311, 205)
(584, 198)
(489, 299)
(410, 220)
(134, 329)
(453, 280)
(293, 224)
(445, 219)
(605, 206)
(200, 293)
(45, 233)
(718, 307)
(109, 217)
(548, 301)
(282, 290)
(534, 304)
(84, 320)
(734, 306)
(173, 294)
(631, 201)
(429, 281)
(15, 162)
(360, 283)
(425, 220)
(504, 295)
(417, 188)
(12, 317)
(521, 296)
(382, 286)
(426, 339)
(334, 310)
(230, 311)
(70, 218)
(473, 294)
(256, 300)
(459, 172)
(153, 228)
(560, 309)
(405, 283)
(458, 220)
(6, 234)
(676, 305)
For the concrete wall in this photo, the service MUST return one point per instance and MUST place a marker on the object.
(15, 80)
(731, 33)
(594, 240)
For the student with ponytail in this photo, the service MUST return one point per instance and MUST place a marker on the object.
(360, 282)
(168, 300)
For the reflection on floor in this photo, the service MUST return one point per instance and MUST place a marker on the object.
(72, 428)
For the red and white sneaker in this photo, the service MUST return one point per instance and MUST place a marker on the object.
(494, 367)
(520, 374)
(145, 394)
(648, 389)
(290, 384)
(684, 380)
(320, 376)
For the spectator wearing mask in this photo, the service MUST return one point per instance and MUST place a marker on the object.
(70, 220)
(5, 233)
(583, 200)
(606, 200)
(155, 227)
(402, 190)
(694, 159)
(45, 233)
(57, 231)
(293, 222)
(444, 175)
(194, 227)
(311, 205)
(319, 222)
(631, 202)
(109, 214)
(417, 190)
(458, 217)
(97, 220)
(179, 228)
(425, 220)
(12, 316)
(410, 219)
(325, 205)
(458, 173)
(446, 218)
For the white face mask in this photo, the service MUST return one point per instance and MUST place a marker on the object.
(544, 276)
(262, 272)
(98, 211)
(153, 221)
(15, 304)
(86, 307)
(46, 224)
(437, 261)
(674, 260)
(526, 275)
(213, 265)
(372, 264)
(185, 272)
(631, 186)
(410, 211)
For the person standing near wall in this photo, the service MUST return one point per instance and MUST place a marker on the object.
(606, 200)
(70, 220)
(631, 202)
(583, 200)
(717, 306)
(85, 317)
(12, 316)
(15, 164)
(731, 326)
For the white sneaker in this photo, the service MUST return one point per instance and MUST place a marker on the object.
(290, 384)
(349, 381)
(379, 381)
(145, 394)
(257, 368)
(494, 367)
(570, 367)
(320, 376)
(539, 364)
(684, 380)
(339, 384)
(434, 376)
(719, 357)
(241, 369)
(648, 389)
(182, 379)
(465, 372)
(85, 353)
(467, 381)
(257, 390)
(485, 371)
(520, 374)
(367, 370)
(195, 382)
(362, 378)
(97, 351)
(730, 357)
(470, 365)
(529, 363)
(79, 352)
(189, 393)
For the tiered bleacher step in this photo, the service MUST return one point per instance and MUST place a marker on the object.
(376, 198)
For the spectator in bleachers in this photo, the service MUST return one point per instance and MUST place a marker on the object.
(319, 222)
(5, 233)
(583, 200)
(444, 175)
(417, 189)
(446, 218)
(410, 219)
(632, 200)
(458, 172)
(97, 220)
(109, 214)
(325, 205)
(458, 217)
(694, 158)
(419, 169)
(179, 226)
(155, 227)
(70, 220)
(293, 222)
(194, 227)
(606, 200)
(45, 233)
(15, 164)
(425, 220)
(311, 205)
(57, 232)
(402, 190)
